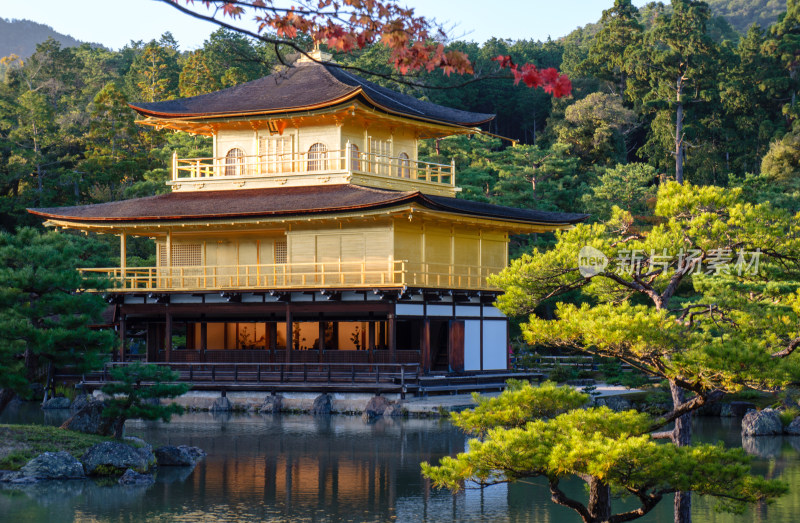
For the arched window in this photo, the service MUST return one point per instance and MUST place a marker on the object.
(318, 157)
(355, 158)
(403, 166)
(234, 162)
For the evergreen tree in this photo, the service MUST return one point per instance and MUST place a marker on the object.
(196, 77)
(707, 299)
(45, 311)
(541, 432)
(134, 392)
(673, 67)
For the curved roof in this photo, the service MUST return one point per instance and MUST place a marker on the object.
(287, 201)
(305, 86)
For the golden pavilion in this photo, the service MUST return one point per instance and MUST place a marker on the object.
(313, 234)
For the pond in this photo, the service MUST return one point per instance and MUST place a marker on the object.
(300, 468)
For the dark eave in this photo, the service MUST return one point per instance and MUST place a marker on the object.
(304, 87)
(286, 202)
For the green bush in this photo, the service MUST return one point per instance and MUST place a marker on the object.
(787, 416)
(562, 373)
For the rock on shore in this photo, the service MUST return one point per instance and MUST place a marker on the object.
(761, 423)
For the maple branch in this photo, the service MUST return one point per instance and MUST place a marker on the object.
(276, 41)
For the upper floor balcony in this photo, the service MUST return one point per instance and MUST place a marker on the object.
(316, 166)
(296, 276)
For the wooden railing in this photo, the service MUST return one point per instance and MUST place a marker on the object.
(391, 273)
(334, 161)
(239, 375)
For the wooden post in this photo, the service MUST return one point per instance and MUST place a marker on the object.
(168, 337)
(168, 246)
(123, 257)
(392, 335)
(425, 346)
(371, 340)
(272, 330)
(289, 334)
(174, 165)
(203, 339)
(321, 346)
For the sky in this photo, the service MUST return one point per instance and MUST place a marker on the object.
(114, 23)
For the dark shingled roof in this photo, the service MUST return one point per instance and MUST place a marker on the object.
(305, 85)
(287, 201)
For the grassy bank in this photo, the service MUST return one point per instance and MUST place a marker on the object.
(21, 443)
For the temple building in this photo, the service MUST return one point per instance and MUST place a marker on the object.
(313, 234)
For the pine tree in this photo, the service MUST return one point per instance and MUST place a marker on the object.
(45, 311)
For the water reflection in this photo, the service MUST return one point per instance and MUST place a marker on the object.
(337, 469)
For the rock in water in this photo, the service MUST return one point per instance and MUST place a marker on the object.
(221, 404)
(376, 407)
(53, 465)
(322, 405)
(89, 420)
(110, 458)
(169, 456)
(196, 453)
(57, 403)
(614, 403)
(794, 427)
(761, 423)
(131, 477)
(272, 404)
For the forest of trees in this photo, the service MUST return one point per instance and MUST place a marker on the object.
(67, 136)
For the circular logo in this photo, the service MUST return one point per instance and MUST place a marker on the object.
(591, 261)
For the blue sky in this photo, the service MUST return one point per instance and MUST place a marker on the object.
(114, 23)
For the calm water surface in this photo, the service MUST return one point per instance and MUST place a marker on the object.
(299, 468)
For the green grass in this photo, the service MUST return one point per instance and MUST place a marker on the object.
(21, 443)
(788, 415)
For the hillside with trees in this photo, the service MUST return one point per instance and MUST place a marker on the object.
(741, 14)
(20, 37)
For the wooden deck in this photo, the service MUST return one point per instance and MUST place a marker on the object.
(373, 378)
(277, 377)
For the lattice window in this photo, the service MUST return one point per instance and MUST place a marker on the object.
(183, 255)
(318, 157)
(404, 166)
(234, 162)
(280, 251)
(275, 153)
(379, 154)
(355, 158)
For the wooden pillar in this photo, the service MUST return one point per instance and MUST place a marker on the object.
(168, 337)
(425, 346)
(321, 346)
(123, 257)
(272, 334)
(289, 334)
(392, 335)
(123, 327)
(203, 340)
(371, 340)
(371, 335)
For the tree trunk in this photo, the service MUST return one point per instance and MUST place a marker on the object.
(6, 395)
(118, 426)
(599, 500)
(679, 143)
(682, 437)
